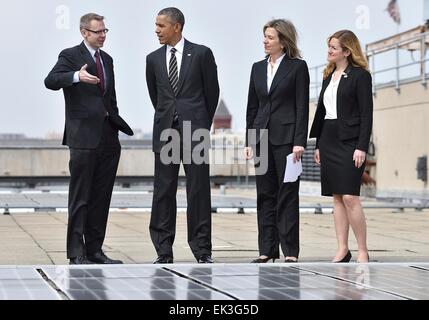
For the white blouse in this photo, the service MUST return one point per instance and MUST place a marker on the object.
(272, 70)
(330, 99)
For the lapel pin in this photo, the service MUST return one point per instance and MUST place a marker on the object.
(189, 54)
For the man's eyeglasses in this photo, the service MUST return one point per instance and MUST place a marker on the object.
(99, 32)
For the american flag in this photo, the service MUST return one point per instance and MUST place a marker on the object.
(393, 10)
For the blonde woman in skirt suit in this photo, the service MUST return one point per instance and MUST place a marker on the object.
(342, 126)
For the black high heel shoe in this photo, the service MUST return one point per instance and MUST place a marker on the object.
(262, 260)
(346, 258)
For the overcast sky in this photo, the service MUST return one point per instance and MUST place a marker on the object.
(34, 32)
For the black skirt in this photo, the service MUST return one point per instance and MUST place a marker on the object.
(337, 169)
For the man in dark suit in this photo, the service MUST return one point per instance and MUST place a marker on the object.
(85, 73)
(183, 86)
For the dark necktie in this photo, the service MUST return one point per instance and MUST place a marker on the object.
(173, 76)
(100, 73)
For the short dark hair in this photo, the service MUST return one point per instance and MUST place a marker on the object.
(85, 21)
(174, 14)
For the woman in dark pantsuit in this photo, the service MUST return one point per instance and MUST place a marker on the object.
(278, 101)
(342, 126)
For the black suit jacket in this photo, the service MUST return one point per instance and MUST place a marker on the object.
(86, 104)
(354, 107)
(198, 89)
(284, 109)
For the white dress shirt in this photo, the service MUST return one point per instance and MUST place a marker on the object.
(330, 99)
(179, 54)
(272, 70)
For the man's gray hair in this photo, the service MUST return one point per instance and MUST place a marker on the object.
(175, 15)
(85, 21)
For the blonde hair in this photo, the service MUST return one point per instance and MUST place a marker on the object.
(350, 42)
(288, 36)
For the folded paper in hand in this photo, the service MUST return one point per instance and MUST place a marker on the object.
(292, 170)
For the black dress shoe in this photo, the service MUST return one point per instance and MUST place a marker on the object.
(79, 260)
(205, 258)
(262, 260)
(101, 258)
(346, 258)
(163, 259)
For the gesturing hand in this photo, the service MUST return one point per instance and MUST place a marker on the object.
(85, 76)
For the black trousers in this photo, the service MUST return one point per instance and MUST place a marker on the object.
(92, 176)
(277, 206)
(164, 207)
